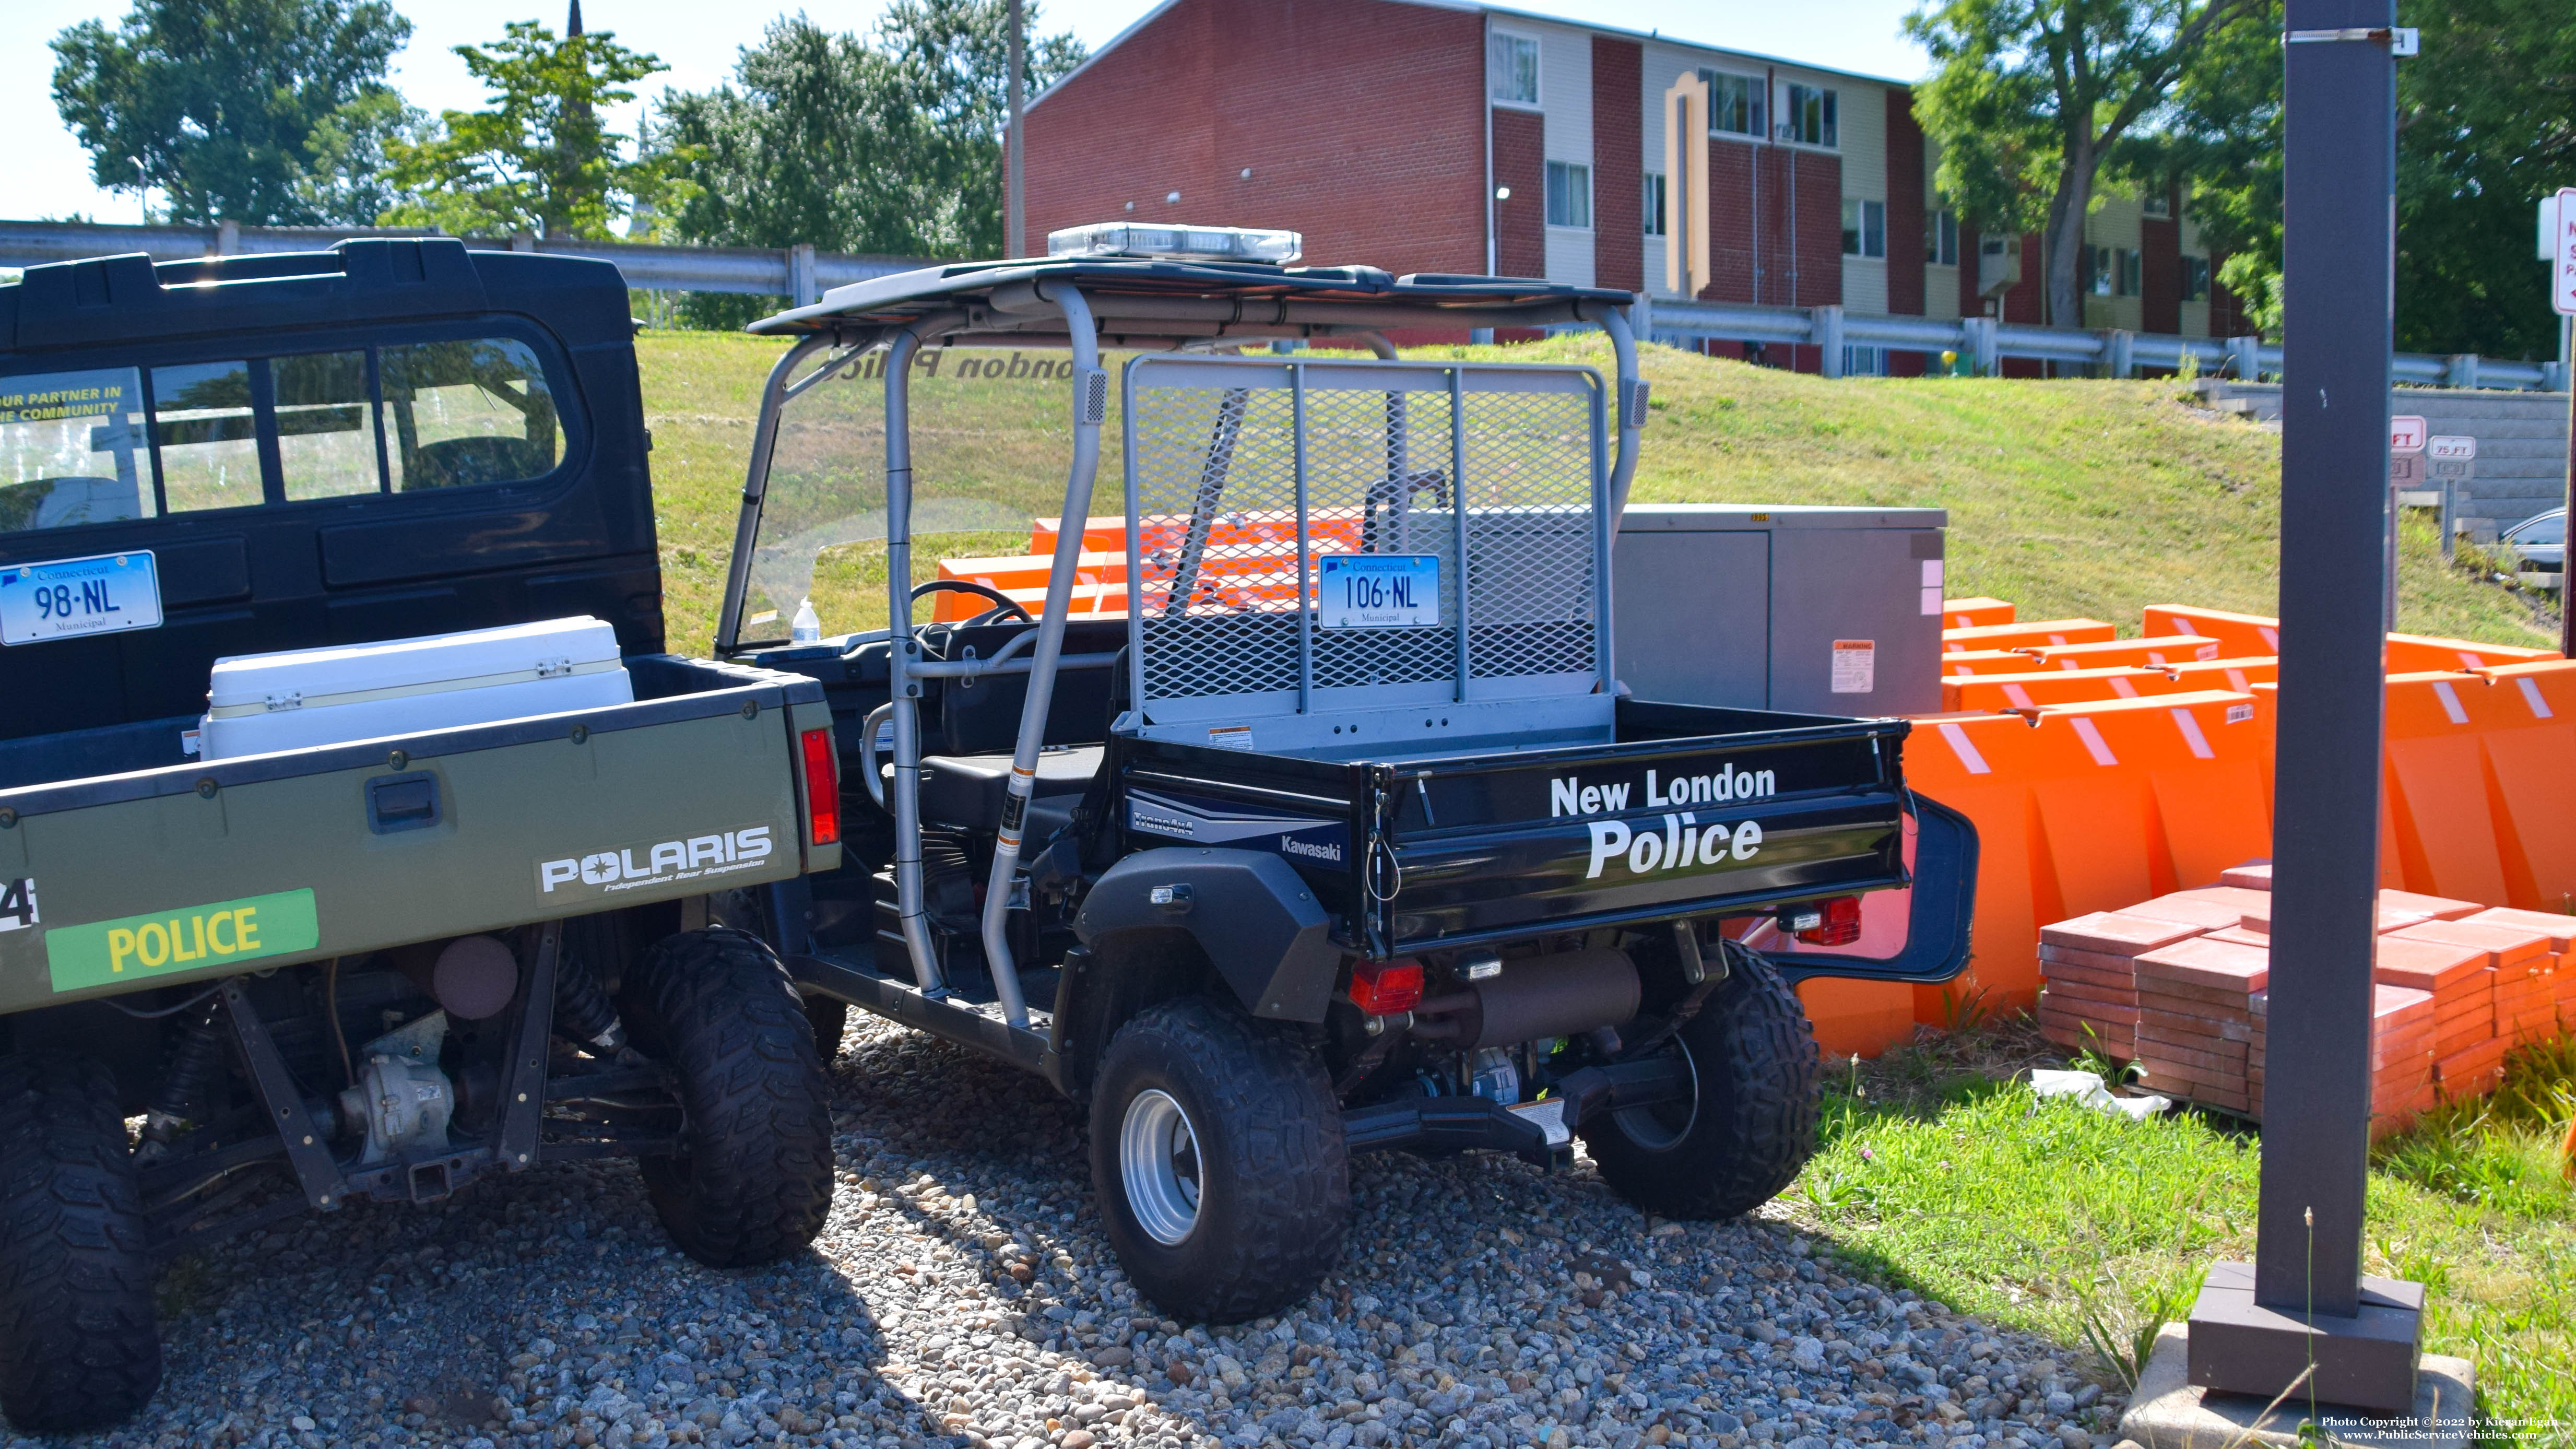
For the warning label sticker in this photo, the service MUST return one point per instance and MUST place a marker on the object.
(1855, 666)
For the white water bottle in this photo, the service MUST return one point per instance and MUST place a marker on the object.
(808, 628)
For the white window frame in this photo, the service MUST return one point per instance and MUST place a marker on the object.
(1857, 213)
(2208, 277)
(2156, 204)
(1497, 38)
(2130, 265)
(1570, 170)
(1941, 237)
(1653, 187)
(1756, 96)
(1829, 118)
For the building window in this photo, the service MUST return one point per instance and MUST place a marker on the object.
(1864, 361)
(2158, 205)
(2132, 271)
(1569, 194)
(1654, 190)
(1941, 238)
(1864, 228)
(2097, 271)
(1734, 103)
(1511, 68)
(1810, 121)
(2195, 279)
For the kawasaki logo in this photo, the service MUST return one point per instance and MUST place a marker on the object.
(1682, 842)
(1330, 850)
(1570, 796)
(669, 860)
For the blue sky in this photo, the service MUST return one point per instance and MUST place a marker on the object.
(48, 173)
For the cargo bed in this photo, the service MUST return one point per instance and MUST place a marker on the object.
(153, 869)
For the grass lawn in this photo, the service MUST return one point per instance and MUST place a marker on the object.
(1943, 1173)
(2069, 498)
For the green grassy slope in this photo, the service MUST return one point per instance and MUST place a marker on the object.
(2068, 498)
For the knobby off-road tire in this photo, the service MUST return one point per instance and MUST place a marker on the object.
(78, 1345)
(1751, 1123)
(1272, 1177)
(753, 1180)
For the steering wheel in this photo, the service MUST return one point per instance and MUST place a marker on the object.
(1007, 606)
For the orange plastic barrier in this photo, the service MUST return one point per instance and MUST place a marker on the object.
(2530, 747)
(1252, 529)
(2239, 675)
(2413, 653)
(1989, 692)
(2030, 635)
(1974, 613)
(1984, 661)
(2089, 807)
(2440, 799)
(2244, 634)
(2161, 652)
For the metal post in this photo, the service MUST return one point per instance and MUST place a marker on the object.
(1015, 217)
(2304, 1314)
(1826, 324)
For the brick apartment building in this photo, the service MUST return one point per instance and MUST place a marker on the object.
(1432, 136)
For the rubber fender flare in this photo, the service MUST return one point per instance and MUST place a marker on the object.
(1249, 911)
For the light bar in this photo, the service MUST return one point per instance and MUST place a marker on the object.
(1177, 243)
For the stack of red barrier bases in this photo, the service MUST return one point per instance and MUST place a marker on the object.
(2088, 976)
(2196, 1023)
(2211, 908)
(2560, 932)
(2401, 1056)
(2470, 1062)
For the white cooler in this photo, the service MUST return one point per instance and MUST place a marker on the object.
(261, 703)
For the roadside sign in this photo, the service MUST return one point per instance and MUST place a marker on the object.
(2450, 468)
(2451, 449)
(2405, 469)
(2406, 434)
(2562, 253)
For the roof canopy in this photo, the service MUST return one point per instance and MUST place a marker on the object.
(1150, 304)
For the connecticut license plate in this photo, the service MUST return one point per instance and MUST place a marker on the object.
(1377, 590)
(69, 597)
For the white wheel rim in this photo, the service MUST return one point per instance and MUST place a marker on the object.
(1158, 1161)
(1648, 1130)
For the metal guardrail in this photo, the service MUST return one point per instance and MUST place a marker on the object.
(802, 275)
(799, 273)
(1986, 342)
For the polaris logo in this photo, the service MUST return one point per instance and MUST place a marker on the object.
(1681, 843)
(669, 860)
(1326, 850)
(1570, 796)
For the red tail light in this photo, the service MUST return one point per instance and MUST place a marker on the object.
(1839, 924)
(822, 788)
(1383, 988)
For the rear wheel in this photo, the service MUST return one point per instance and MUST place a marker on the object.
(752, 1181)
(1217, 1157)
(1749, 1122)
(78, 1345)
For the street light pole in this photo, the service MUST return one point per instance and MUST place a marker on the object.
(1015, 216)
(2302, 1314)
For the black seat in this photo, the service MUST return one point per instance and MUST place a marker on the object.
(968, 790)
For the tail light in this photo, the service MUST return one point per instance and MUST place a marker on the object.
(1383, 988)
(822, 788)
(1835, 922)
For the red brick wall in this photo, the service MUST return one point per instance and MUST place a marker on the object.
(1618, 163)
(2159, 275)
(1375, 151)
(1520, 220)
(2226, 313)
(1905, 203)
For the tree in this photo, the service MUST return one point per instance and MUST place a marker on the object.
(882, 144)
(540, 159)
(2031, 97)
(264, 112)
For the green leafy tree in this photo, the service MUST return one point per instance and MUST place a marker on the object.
(2223, 144)
(263, 112)
(889, 143)
(2030, 98)
(540, 159)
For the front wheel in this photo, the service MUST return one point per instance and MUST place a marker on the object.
(79, 1348)
(1749, 1123)
(752, 1181)
(1217, 1157)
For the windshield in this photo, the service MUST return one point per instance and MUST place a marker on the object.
(992, 436)
(2548, 528)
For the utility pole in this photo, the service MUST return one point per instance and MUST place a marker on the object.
(1015, 215)
(2302, 1317)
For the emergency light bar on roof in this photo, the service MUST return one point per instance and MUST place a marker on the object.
(1177, 243)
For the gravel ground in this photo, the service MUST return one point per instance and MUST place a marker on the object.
(961, 1297)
